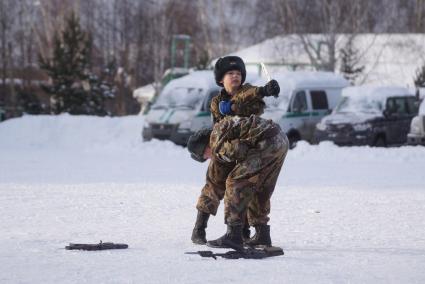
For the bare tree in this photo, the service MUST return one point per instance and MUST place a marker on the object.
(51, 17)
(6, 25)
(134, 36)
(417, 21)
(320, 26)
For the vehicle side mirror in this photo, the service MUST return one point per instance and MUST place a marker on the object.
(329, 111)
(386, 113)
(416, 105)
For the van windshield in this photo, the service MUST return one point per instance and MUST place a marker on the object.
(356, 105)
(180, 97)
(280, 102)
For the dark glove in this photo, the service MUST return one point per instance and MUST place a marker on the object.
(271, 89)
(225, 107)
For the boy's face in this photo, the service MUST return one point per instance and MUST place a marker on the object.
(232, 80)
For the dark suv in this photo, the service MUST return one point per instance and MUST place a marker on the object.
(2, 113)
(379, 117)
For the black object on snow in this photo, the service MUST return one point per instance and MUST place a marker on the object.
(100, 246)
(246, 253)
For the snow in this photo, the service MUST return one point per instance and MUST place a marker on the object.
(341, 214)
(353, 115)
(308, 79)
(180, 96)
(195, 79)
(375, 91)
(145, 93)
(368, 101)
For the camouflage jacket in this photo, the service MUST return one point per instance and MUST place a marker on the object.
(248, 100)
(232, 137)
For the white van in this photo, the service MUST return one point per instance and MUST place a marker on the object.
(416, 136)
(305, 97)
(181, 108)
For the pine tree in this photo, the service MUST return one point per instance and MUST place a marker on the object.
(74, 89)
(30, 103)
(349, 62)
(420, 77)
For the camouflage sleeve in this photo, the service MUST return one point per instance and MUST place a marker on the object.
(235, 150)
(230, 147)
(248, 101)
(217, 116)
(248, 131)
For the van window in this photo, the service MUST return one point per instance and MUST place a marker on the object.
(319, 100)
(299, 104)
(206, 104)
(422, 108)
(397, 106)
(412, 105)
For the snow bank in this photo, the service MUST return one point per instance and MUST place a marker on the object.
(70, 132)
(69, 148)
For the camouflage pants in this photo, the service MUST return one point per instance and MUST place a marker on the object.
(215, 186)
(246, 186)
(250, 185)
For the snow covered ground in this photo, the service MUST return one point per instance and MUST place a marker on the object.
(341, 214)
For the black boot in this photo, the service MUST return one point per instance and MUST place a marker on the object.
(198, 233)
(231, 239)
(246, 233)
(261, 237)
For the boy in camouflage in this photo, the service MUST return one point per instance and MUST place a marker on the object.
(237, 98)
(234, 98)
(254, 149)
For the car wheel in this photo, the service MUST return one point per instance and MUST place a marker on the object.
(293, 139)
(380, 142)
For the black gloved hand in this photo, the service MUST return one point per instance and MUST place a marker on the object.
(271, 89)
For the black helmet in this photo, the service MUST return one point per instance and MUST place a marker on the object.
(198, 142)
(228, 63)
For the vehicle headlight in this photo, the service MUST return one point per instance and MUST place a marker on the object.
(415, 129)
(321, 126)
(361, 126)
(146, 124)
(415, 126)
